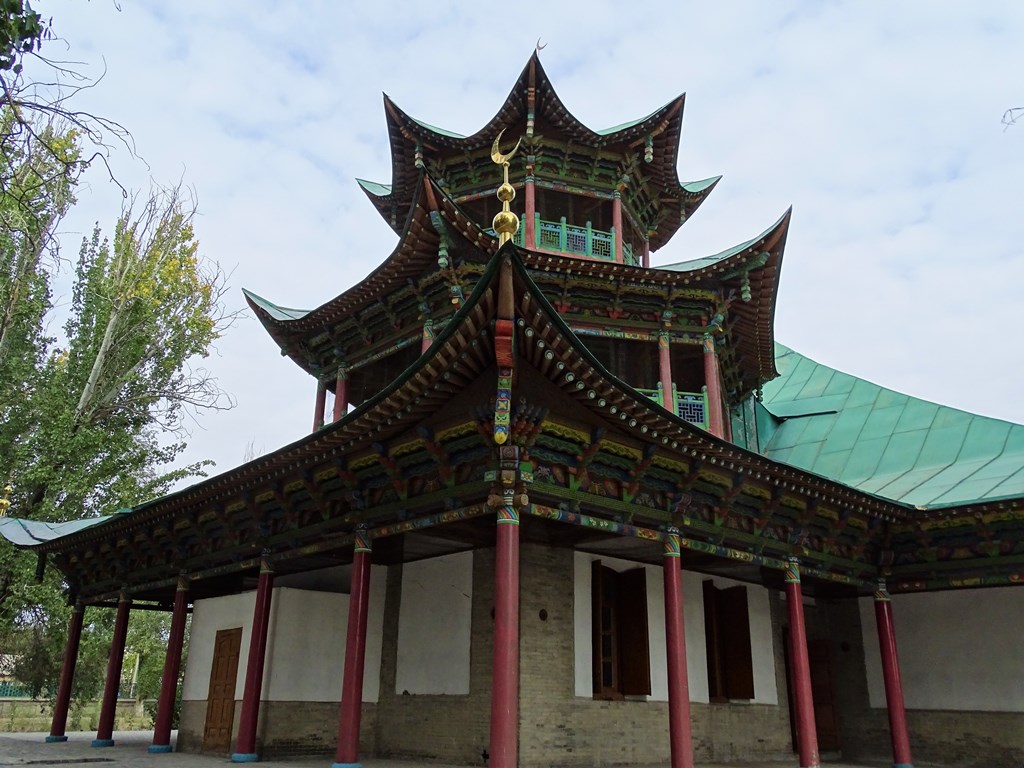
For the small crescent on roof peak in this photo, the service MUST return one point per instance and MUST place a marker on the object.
(540, 47)
(496, 154)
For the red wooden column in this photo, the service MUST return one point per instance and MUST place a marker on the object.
(617, 225)
(321, 405)
(647, 252)
(665, 373)
(347, 755)
(172, 665)
(105, 731)
(246, 746)
(680, 736)
(529, 222)
(716, 422)
(891, 674)
(340, 394)
(800, 670)
(504, 746)
(67, 676)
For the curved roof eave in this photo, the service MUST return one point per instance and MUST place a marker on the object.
(273, 314)
(664, 126)
(352, 425)
(515, 104)
(930, 456)
(706, 441)
(28, 534)
(284, 324)
(367, 423)
(731, 257)
(761, 259)
(281, 314)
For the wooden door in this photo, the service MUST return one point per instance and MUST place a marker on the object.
(220, 703)
(825, 720)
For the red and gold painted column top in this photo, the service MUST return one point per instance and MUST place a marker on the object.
(680, 733)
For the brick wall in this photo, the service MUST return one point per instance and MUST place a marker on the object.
(966, 739)
(559, 729)
(453, 728)
(27, 715)
(285, 729)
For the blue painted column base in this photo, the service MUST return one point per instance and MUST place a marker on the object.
(157, 749)
(55, 739)
(902, 765)
(103, 742)
(346, 765)
(245, 757)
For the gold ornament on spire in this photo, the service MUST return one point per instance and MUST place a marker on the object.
(5, 502)
(506, 223)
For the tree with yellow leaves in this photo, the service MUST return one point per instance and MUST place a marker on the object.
(92, 422)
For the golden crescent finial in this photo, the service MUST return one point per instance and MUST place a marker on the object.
(496, 154)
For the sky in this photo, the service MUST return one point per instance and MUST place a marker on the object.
(879, 123)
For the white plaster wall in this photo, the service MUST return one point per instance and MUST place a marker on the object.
(207, 617)
(762, 644)
(958, 650)
(434, 626)
(305, 643)
(306, 649)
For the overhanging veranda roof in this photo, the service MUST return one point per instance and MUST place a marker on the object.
(887, 443)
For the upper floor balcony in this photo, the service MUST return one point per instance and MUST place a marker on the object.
(562, 237)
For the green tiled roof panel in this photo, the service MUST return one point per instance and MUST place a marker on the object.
(276, 312)
(706, 261)
(374, 188)
(887, 443)
(28, 533)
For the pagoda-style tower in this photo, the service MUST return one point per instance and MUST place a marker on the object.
(696, 337)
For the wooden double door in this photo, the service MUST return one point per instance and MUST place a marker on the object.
(220, 702)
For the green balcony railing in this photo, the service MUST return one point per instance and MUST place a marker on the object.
(582, 241)
(690, 406)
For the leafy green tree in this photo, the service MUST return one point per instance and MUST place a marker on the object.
(91, 422)
(22, 31)
(34, 199)
(144, 307)
(37, 647)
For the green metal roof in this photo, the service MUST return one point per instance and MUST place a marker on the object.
(602, 132)
(439, 131)
(887, 443)
(28, 533)
(631, 123)
(694, 187)
(374, 188)
(276, 312)
(706, 261)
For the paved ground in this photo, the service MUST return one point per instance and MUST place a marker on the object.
(18, 749)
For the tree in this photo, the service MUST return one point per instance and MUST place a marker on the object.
(33, 104)
(1012, 115)
(22, 31)
(91, 422)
